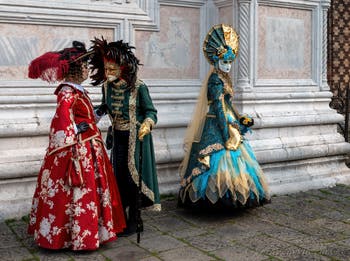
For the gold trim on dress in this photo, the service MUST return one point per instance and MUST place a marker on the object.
(132, 142)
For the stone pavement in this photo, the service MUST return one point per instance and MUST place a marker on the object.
(312, 225)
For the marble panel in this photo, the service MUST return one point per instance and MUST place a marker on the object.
(226, 15)
(173, 52)
(284, 43)
(21, 43)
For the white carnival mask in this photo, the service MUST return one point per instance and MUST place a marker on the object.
(225, 65)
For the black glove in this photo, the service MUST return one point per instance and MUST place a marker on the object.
(83, 126)
(102, 110)
(246, 121)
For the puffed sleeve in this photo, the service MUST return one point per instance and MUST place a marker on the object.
(146, 107)
(62, 130)
(215, 97)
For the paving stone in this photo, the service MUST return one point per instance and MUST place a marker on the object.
(127, 253)
(209, 242)
(210, 218)
(30, 244)
(285, 234)
(87, 256)
(345, 242)
(190, 232)
(150, 258)
(341, 190)
(257, 224)
(148, 231)
(170, 223)
(291, 222)
(14, 254)
(169, 205)
(336, 251)
(238, 253)
(235, 231)
(324, 233)
(263, 244)
(184, 254)
(270, 216)
(53, 255)
(335, 215)
(161, 243)
(121, 241)
(295, 253)
(304, 226)
(20, 228)
(7, 238)
(336, 226)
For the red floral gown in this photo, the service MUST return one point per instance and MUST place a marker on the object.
(76, 203)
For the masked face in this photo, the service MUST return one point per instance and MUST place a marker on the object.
(85, 71)
(112, 71)
(224, 65)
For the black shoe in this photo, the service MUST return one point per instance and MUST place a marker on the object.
(128, 231)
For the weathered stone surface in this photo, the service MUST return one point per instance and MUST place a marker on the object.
(7, 238)
(88, 256)
(161, 243)
(209, 242)
(14, 254)
(47, 255)
(20, 228)
(170, 223)
(150, 258)
(263, 244)
(238, 253)
(190, 232)
(127, 252)
(184, 254)
(252, 234)
(295, 253)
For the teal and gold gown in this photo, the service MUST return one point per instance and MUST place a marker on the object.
(221, 167)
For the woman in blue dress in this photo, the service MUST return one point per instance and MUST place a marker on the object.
(219, 166)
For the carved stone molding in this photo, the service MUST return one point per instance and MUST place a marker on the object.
(243, 81)
(142, 14)
(324, 17)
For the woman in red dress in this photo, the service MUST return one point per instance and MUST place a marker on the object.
(76, 203)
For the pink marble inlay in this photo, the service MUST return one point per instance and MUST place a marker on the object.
(24, 42)
(226, 15)
(301, 69)
(173, 52)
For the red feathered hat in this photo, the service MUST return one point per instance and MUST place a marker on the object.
(53, 66)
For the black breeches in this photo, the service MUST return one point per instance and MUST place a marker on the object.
(127, 187)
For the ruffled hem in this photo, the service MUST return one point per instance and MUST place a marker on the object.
(232, 176)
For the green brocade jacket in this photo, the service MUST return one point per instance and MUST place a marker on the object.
(128, 109)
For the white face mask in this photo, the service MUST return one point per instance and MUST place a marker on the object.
(225, 66)
(111, 78)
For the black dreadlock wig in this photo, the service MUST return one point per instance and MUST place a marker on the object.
(118, 52)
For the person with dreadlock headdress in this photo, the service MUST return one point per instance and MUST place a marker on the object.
(76, 203)
(126, 100)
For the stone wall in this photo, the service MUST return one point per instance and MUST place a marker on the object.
(280, 79)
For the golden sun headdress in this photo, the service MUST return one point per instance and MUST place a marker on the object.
(221, 42)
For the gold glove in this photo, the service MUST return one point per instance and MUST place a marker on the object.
(235, 138)
(145, 128)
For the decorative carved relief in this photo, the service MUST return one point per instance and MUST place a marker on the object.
(243, 69)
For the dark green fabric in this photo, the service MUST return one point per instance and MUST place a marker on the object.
(215, 129)
(117, 100)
